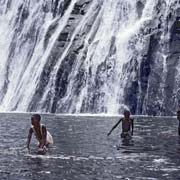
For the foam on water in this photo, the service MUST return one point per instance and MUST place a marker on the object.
(105, 48)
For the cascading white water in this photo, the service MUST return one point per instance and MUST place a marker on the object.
(112, 37)
(25, 75)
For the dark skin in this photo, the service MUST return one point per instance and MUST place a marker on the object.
(41, 137)
(127, 124)
(178, 117)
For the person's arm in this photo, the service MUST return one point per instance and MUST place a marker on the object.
(132, 126)
(29, 137)
(114, 127)
(44, 134)
(178, 116)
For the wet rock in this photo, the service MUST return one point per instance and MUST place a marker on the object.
(63, 36)
(139, 7)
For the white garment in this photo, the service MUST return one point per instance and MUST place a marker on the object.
(49, 138)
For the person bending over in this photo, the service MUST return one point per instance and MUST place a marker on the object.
(127, 125)
(42, 135)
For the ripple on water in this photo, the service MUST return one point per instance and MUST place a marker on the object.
(82, 151)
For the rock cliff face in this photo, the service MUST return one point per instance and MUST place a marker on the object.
(90, 56)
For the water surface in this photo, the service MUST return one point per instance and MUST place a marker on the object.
(82, 151)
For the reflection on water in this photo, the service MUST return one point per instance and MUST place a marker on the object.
(82, 151)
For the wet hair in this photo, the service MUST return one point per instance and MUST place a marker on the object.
(36, 116)
(126, 111)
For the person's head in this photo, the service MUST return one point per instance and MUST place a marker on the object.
(35, 120)
(126, 113)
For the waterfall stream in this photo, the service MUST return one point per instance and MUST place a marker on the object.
(89, 56)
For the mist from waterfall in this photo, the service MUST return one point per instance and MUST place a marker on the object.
(81, 56)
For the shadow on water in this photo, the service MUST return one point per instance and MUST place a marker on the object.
(82, 151)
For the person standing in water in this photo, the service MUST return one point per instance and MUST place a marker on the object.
(178, 117)
(127, 125)
(42, 135)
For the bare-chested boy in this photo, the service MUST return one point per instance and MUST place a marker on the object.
(178, 117)
(42, 135)
(127, 125)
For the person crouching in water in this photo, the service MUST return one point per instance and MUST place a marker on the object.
(127, 125)
(42, 135)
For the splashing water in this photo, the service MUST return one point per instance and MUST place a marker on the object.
(77, 56)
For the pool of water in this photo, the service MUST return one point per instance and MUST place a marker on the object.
(82, 150)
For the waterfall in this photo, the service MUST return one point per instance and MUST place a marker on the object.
(89, 56)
